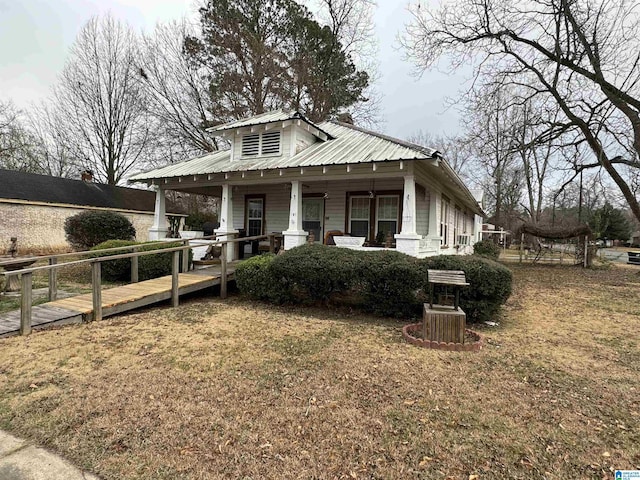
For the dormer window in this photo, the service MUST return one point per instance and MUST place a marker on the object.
(261, 144)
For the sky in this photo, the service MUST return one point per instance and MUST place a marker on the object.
(35, 36)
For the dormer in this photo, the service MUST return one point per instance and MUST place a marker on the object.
(279, 134)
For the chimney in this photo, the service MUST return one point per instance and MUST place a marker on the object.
(345, 117)
(87, 176)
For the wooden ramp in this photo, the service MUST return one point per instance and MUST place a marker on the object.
(114, 300)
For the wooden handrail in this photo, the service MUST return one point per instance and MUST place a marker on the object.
(96, 272)
(118, 257)
(84, 253)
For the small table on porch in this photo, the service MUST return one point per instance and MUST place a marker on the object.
(453, 278)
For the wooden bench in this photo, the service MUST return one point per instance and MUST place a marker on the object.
(453, 278)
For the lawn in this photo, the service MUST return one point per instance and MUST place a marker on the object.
(235, 389)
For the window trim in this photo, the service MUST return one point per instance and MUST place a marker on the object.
(349, 219)
(377, 205)
(373, 224)
(444, 222)
(247, 198)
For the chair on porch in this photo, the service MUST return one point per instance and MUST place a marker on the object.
(328, 237)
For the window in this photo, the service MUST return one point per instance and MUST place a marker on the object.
(444, 221)
(387, 211)
(255, 216)
(256, 144)
(373, 216)
(359, 215)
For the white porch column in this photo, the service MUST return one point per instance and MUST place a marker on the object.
(226, 230)
(294, 236)
(408, 240)
(159, 228)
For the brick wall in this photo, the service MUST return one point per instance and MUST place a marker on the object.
(40, 228)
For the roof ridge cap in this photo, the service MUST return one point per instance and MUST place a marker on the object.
(414, 146)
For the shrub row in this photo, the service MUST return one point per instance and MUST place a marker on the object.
(385, 283)
(149, 266)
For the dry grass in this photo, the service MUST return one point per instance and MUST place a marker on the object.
(238, 390)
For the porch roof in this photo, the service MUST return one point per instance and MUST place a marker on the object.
(349, 145)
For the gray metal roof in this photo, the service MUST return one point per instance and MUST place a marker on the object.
(265, 118)
(350, 145)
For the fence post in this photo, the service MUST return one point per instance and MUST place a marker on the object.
(185, 257)
(53, 280)
(25, 304)
(175, 294)
(223, 271)
(272, 243)
(134, 266)
(96, 290)
(586, 251)
(521, 246)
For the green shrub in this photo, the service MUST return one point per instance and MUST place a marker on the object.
(196, 220)
(385, 283)
(490, 283)
(487, 248)
(315, 272)
(389, 283)
(255, 278)
(90, 228)
(149, 266)
(116, 270)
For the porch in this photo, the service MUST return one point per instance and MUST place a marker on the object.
(391, 205)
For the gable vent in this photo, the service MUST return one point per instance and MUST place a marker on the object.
(251, 145)
(271, 143)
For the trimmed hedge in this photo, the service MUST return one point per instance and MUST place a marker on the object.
(385, 283)
(487, 248)
(149, 266)
(87, 229)
(255, 278)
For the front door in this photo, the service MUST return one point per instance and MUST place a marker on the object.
(312, 215)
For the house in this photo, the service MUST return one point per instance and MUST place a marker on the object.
(33, 208)
(283, 173)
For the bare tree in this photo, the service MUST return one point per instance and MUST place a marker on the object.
(177, 93)
(99, 100)
(583, 55)
(454, 148)
(17, 145)
(50, 145)
(351, 21)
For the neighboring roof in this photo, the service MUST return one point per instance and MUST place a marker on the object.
(263, 119)
(31, 187)
(350, 145)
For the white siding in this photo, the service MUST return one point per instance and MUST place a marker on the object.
(422, 210)
(277, 198)
(276, 206)
(302, 140)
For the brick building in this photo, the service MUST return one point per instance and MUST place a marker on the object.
(34, 207)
